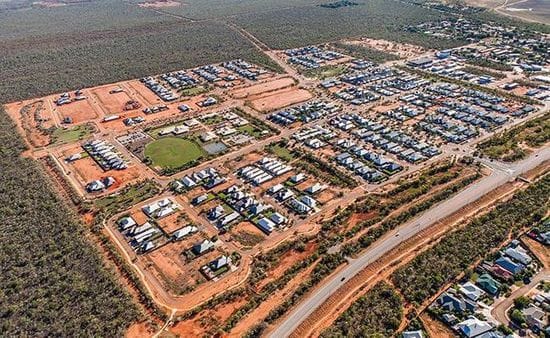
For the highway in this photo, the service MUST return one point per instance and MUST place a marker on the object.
(501, 174)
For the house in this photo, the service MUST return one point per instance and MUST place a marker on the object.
(341, 158)
(188, 182)
(284, 194)
(473, 327)
(275, 189)
(297, 178)
(215, 212)
(257, 208)
(492, 334)
(310, 202)
(140, 229)
(518, 254)
(165, 211)
(500, 272)
(208, 136)
(95, 186)
(471, 291)
(202, 247)
(449, 318)
(412, 334)
(507, 264)
(266, 225)
(228, 219)
(199, 199)
(315, 188)
(183, 108)
(278, 219)
(150, 209)
(315, 143)
(535, 317)
(147, 246)
(219, 263)
(453, 303)
(126, 223)
(108, 181)
(487, 283)
(391, 167)
(299, 206)
(74, 157)
(183, 232)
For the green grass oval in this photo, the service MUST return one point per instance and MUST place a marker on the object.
(172, 152)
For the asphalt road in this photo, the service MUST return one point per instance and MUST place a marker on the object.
(500, 309)
(501, 174)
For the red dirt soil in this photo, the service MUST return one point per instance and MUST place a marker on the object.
(78, 111)
(261, 88)
(112, 103)
(288, 259)
(139, 330)
(280, 99)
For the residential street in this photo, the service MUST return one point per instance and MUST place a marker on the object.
(502, 305)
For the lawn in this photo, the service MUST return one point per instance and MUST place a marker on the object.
(194, 91)
(69, 135)
(325, 72)
(127, 197)
(251, 130)
(281, 152)
(172, 152)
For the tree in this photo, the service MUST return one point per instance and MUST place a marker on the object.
(517, 317)
(521, 302)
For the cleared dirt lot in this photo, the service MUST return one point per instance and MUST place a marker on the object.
(403, 50)
(287, 260)
(435, 328)
(171, 268)
(247, 235)
(263, 88)
(280, 99)
(269, 304)
(87, 170)
(207, 321)
(143, 92)
(173, 222)
(78, 111)
(113, 103)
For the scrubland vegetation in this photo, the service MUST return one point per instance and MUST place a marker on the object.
(41, 243)
(382, 19)
(37, 65)
(429, 271)
(510, 145)
(377, 313)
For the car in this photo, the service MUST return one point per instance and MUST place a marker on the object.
(342, 279)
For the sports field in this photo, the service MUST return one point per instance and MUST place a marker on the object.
(172, 152)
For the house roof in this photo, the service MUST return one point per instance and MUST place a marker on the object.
(471, 291)
(488, 283)
(277, 218)
(473, 327)
(203, 246)
(413, 334)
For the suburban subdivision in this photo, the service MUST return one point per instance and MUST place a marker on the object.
(353, 187)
